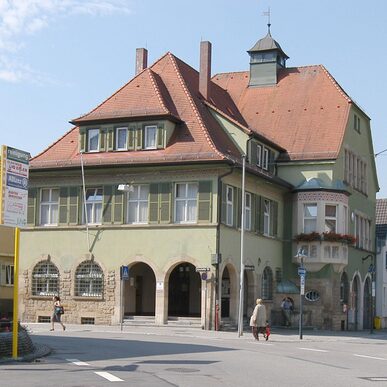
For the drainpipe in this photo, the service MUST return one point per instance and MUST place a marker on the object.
(217, 292)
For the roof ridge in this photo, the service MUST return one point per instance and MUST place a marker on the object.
(193, 105)
(157, 90)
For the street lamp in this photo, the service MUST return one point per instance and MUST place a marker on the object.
(301, 272)
(371, 269)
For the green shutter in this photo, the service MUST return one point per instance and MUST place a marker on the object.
(32, 207)
(237, 207)
(139, 138)
(118, 206)
(82, 139)
(107, 204)
(153, 203)
(63, 207)
(204, 201)
(165, 202)
(252, 156)
(131, 137)
(102, 139)
(271, 162)
(258, 200)
(223, 197)
(262, 216)
(160, 136)
(253, 215)
(110, 139)
(274, 218)
(74, 205)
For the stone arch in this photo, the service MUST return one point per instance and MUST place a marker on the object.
(45, 278)
(356, 294)
(229, 291)
(367, 302)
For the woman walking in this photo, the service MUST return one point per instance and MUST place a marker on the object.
(258, 320)
(58, 311)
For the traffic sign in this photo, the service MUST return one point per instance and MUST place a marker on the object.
(301, 271)
(249, 267)
(204, 276)
(124, 271)
(202, 269)
(302, 284)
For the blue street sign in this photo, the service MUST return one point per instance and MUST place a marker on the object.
(301, 271)
(124, 271)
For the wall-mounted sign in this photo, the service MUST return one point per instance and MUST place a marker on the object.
(14, 172)
(160, 285)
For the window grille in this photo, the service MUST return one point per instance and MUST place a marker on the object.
(89, 280)
(45, 279)
(267, 284)
(87, 320)
(44, 319)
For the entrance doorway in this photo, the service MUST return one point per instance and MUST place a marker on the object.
(367, 297)
(140, 291)
(184, 291)
(356, 301)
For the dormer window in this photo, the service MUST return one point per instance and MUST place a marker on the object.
(259, 155)
(265, 159)
(93, 140)
(150, 137)
(122, 138)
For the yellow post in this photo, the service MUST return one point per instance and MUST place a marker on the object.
(15, 324)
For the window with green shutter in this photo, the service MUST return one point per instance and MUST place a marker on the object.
(118, 216)
(74, 205)
(110, 139)
(82, 140)
(139, 136)
(160, 136)
(131, 137)
(107, 204)
(165, 202)
(32, 207)
(205, 201)
(153, 203)
(63, 205)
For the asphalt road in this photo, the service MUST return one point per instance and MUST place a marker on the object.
(85, 356)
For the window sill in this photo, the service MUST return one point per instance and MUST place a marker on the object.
(85, 298)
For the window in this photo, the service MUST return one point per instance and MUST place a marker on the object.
(355, 171)
(94, 198)
(247, 211)
(362, 232)
(312, 295)
(230, 206)
(259, 155)
(265, 160)
(356, 123)
(49, 206)
(45, 279)
(121, 138)
(310, 217)
(267, 284)
(93, 140)
(6, 275)
(345, 220)
(88, 280)
(266, 217)
(344, 288)
(138, 204)
(330, 218)
(186, 202)
(150, 137)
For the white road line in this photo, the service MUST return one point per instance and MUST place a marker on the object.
(370, 357)
(312, 349)
(78, 362)
(109, 377)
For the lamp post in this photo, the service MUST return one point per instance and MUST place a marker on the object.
(371, 269)
(302, 273)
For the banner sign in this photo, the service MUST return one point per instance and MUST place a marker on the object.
(14, 186)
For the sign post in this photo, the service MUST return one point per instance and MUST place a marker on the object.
(14, 170)
(302, 273)
(124, 276)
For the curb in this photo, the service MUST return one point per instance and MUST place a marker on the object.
(40, 351)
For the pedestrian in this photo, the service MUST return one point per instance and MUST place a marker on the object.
(258, 320)
(58, 311)
(287, 308)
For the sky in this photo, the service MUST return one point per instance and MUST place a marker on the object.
(61, 58)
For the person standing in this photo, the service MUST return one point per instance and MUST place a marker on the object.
(287, 307)
(56, 316)
(258, 320)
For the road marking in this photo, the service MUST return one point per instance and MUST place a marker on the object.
(370, 357)
(109, 377)
(312, 349)
(78, 362)
(376, 379)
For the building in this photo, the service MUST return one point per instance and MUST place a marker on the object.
(7, 246)
(162, 195)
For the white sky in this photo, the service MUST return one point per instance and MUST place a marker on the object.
(60, 58)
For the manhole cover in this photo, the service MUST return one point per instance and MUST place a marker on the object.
(182, 370)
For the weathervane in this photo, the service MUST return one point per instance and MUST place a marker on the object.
(267, 13)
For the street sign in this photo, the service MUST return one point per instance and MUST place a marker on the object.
(301, 271)
(249, 267)
(302, 284)
(202, 269)
(204, 276)
(124, 271)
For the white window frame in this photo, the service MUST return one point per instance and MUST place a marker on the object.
(259, 155)
(266, 216)
(138, 201)
(248, 211)
(265, 159)
(229, 206)
(89, 137)
(146, 129)
(51, 204)
(94, 203)
(314, 204)
(125, 130)
(330, 217)
(186, 200)
(7, 275)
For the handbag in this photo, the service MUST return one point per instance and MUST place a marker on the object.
(59, 310)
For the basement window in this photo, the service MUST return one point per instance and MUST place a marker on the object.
(87, 320)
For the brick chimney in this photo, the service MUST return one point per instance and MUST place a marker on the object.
(205, 69)
(141, 59)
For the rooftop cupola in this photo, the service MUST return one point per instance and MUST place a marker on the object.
(266, 58)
